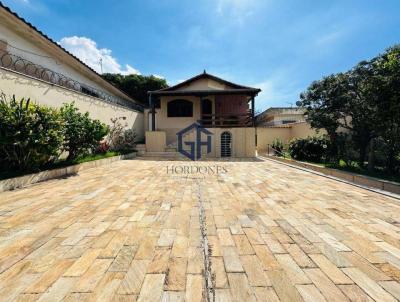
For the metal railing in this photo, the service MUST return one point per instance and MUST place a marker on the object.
(19, 64)
(226, 120)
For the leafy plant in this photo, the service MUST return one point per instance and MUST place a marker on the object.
(314, 149)
(120, 138)
(82, 134)
(30, 135)
(277, 145)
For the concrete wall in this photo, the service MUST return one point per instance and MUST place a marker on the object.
(303, 130)
(52, 95)
(155, 141)
(266, 135)
(243, 141)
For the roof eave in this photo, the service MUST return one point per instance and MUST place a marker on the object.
(250, 92)
(48, 39)
(206, 75)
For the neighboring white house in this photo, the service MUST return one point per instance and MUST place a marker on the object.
(275, 116)
(34, 66)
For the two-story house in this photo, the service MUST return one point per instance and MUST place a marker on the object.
(224, 108)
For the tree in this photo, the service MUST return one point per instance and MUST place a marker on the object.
(365, 102)
(360, 108)
(325, 102)
(136, 86)
(387, 79)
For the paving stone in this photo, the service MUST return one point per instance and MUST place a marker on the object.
(129, 231)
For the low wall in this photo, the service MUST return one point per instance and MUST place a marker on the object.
(41, 92)
(23, 181)
(358, 179)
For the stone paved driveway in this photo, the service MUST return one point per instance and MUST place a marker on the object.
(261, 232)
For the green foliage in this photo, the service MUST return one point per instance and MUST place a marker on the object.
(277, 145)
(30, 135)
(359, 108)
(314, 149)
(120, 138)
(387, 75)
(136, 85)
(82, 134)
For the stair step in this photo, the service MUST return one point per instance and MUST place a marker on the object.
(163, 154)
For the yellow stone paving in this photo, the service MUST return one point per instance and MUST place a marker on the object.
(261, 232)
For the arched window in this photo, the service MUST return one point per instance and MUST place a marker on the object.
(226, 144)
(180, 108)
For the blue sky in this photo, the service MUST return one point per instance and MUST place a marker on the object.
(280, 46)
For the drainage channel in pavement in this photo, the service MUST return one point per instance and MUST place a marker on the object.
(207, 272)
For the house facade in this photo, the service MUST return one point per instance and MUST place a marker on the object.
(34, 66)
(223, 108)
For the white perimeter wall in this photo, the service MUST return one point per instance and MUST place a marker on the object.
(54, 96)
(33, 53)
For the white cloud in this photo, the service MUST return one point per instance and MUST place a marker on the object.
(237, 11)
(86, 50)
(329, 38)
(276, 92)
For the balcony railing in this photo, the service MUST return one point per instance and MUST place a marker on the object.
(19, 64)
(226, 120)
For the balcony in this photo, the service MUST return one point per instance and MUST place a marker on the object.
(227, 120)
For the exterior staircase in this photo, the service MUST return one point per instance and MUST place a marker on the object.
(170, 151)
(172, 147)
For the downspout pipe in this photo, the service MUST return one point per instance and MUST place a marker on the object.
(153, 113)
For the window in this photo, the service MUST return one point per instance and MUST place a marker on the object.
(180, 108)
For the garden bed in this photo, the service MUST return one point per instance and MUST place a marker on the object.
(356, 178)
(61, 169)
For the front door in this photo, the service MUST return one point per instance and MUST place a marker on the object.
(226, 144)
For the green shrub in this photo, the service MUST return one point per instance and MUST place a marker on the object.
(82, 134)
(314, 149)
(30, 135)
(277, 145)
